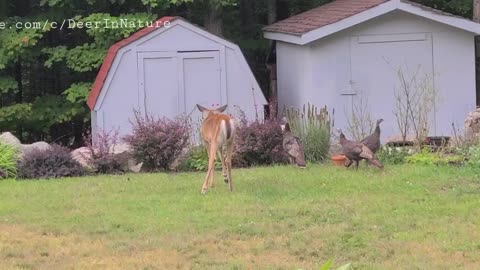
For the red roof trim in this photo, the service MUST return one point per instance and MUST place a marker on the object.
(112, 52)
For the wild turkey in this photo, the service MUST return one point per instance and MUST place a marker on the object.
(3, 174)
(356, 151)
(293, 146)
(373, 140)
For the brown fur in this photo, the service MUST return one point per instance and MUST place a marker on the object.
(218, 140)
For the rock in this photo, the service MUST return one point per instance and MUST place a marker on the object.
(10, 139)
(121, 152)
(82, 155)
(25, 148)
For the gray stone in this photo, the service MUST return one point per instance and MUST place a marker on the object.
(25, 148)
(10, 139)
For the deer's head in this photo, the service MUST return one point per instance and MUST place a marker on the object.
(207, 112)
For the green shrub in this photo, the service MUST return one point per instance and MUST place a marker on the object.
(313, 128)
(473, 156)
(427, 157)
(8, 161)
(424, 157)
(392, 155)
(197, 160)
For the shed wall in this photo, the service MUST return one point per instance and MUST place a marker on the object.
(122, 93)
(329, 76)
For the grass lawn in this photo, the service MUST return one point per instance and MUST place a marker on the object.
(408, 217)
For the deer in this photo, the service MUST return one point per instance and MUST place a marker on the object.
(217, 132)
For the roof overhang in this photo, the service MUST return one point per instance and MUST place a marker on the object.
(393, 5)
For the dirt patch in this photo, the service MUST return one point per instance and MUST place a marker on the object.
(22, 248)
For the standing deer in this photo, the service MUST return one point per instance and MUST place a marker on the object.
(217, 133)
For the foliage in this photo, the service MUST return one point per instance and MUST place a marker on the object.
(258, 143)
(427, 157)
(473, 156)
(7, 84)
(102, 148)
(8, 161)
(313, 127)
(197, 160)
(158, 142)
(54, 162)
(392, 155)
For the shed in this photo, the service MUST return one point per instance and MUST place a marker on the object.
(165, 69)
(348, 53)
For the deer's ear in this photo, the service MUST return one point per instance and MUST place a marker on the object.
(222, 109)
(201, 108)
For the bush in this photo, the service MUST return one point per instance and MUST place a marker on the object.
(8, 161)
(102, 158)
(197, 160)
(158, 142)
(258, 143)
(54, 162)
(427, 157)
(392, 155)
(473, 156)
(313, 128)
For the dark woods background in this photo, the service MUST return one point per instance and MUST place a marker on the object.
(46, 74)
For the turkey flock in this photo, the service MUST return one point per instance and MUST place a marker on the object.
(354, 151)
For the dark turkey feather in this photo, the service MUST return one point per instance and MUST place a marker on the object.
(356, 151)
(372, 141)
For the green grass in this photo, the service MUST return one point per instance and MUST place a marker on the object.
(408, 217)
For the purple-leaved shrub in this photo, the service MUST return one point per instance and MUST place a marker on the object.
(158, 142)
(258, 143)
(54, 162)
(102, 158)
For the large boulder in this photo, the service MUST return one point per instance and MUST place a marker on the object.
(121, 152)
(26, 148)
(82, 155)
(10, 139)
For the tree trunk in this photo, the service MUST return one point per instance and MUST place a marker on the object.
(19, 95)
(213, 21)
(272, 11)
(476, 11)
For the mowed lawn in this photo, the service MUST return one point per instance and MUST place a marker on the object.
(408, 217)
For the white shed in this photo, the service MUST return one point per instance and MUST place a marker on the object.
(164, 70)
(348, 50)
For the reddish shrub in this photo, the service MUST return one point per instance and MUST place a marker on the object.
(54, 162)
(102, 158)
(258, 143)
(158, 142)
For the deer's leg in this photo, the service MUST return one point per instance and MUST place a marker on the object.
(229, 163)
(221, 151)
(356, 165)
(211, 164)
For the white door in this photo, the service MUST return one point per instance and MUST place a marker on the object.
(375, 62)
(201, 82)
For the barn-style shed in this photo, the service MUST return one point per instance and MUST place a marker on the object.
(164, 70)
(349, 51)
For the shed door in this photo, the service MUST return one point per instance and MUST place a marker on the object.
(376, 60)
(159, 83)
(201, 81)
